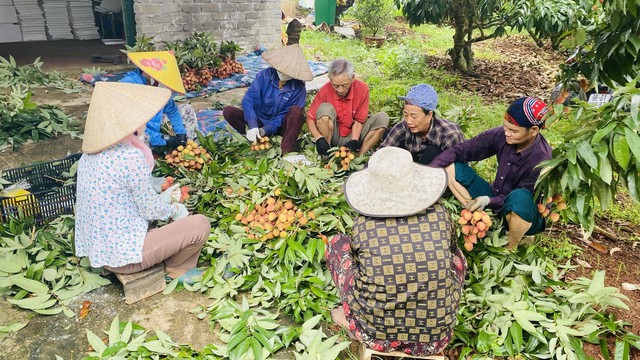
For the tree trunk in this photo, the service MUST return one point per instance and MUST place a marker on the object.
(458, 51)
(470, 23)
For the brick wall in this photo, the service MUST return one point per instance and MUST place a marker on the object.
(247, 22)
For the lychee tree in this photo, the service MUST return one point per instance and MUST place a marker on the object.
(598, 158)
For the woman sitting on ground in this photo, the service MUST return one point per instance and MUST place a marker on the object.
(115, 191)
(400, 277)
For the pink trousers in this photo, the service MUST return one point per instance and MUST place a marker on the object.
(177, 245)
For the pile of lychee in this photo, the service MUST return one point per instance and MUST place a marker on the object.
(261, 144)
(181, 194)
(273, 218)
(474, 226)
(191, 157)
(552, 204)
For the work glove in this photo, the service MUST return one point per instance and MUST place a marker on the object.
(180, 213)
(181, 139)
(253, 134)
(156, 184)
(171, 195)
(478, 203)
(172, 141)
(352, 145)
(322, 145)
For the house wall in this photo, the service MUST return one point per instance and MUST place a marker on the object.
(247, 22)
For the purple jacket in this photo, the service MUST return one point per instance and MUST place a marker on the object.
(515, 170)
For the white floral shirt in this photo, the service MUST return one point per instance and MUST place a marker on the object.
(115, 202)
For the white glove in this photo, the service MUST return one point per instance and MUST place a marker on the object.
(253, 134)
(171, 195)
(181, 212)
(478, 203)
(156, 184)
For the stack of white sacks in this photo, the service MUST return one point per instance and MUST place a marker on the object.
(56, 19)
(82, 20)
(31, 20)
(9, 27)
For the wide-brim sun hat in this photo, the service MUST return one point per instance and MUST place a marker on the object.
(423, 96)
(290, 61)
(393, 185)
(161, 66)
(117, 110)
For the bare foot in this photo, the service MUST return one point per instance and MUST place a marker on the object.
(174, 273)
(338, 316)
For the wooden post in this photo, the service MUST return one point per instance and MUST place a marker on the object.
(366, 353)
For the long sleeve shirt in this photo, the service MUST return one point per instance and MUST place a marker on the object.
(516, 170)
(266, 102)
(442, 133)
(115, 202)
(170, 109)
(351, 108)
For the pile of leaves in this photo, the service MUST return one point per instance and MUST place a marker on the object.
(32, 76)
(22, 119)
(514, 302)
(38, 268)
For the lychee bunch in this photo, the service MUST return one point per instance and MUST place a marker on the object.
(552, 205)
(474, 226)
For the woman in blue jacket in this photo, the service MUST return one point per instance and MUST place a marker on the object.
(160, 68)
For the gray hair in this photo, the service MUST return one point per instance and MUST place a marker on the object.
(341, 66)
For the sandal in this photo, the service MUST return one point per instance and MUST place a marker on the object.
(190, 277)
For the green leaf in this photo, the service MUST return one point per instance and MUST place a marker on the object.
(606, 174)
(113, 349)
(42, 301)
(581, 36)
(586, 152)
(515, 330)
(634, 142)
(622, 350)
(621, 151)
(95, 342)
(30, 285)
(9, 267)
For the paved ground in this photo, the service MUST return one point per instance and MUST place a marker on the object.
(61, 55)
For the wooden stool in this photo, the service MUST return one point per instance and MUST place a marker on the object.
(143, 284)
(366, 353)
(114, 59)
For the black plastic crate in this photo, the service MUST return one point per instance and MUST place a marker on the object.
(49, 196)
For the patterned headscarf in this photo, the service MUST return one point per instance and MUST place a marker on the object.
(527, 112)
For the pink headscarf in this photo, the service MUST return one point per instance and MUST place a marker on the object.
(146, 151)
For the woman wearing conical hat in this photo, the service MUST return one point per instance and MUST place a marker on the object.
(400, 276)
(116, 199)
(160, 68)
(275, 100)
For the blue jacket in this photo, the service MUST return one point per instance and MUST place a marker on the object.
(153, 125)
(266, 102)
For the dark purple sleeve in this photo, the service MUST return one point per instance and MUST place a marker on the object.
(478, 148)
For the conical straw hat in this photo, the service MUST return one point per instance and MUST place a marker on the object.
(117, 110)
(289, 60)
(393, 185)
(161, 66)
